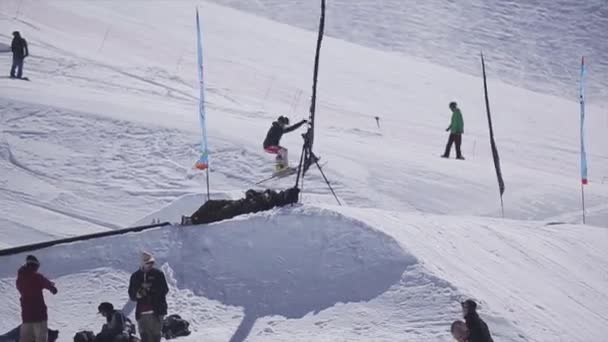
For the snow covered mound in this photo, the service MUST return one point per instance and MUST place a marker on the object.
(305, 273)
(106, 134)
(286, 263)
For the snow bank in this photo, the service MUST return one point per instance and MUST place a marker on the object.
(304, 272)
(279, 263)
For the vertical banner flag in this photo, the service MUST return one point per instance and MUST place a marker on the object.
(582, 100)
(501, 183)
(203, 162)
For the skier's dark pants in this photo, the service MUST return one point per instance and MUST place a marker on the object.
(454, 138)
(17, 64)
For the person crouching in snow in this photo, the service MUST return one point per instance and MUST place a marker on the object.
(273, 140)
(117, 328)
(148, 287)
(459, 331)
(30, 284)
(478, 329)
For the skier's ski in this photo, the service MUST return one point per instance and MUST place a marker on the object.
(16, 78)
(282, 174)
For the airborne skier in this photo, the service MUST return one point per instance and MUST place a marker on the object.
(273, 139)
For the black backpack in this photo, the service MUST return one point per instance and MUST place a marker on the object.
(174, 326)
(84, 336)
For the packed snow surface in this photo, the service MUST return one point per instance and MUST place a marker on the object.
(338, 274)
(106, 133)
(534, 44)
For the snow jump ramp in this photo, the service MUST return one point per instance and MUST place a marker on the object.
(287, 262)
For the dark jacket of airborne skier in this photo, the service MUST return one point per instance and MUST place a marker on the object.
(278, 128)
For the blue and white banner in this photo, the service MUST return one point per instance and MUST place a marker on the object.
(203, 162)
(582, 100)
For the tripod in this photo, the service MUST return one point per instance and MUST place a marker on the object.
(307, 158)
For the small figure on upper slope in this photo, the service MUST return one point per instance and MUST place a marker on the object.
(273, 139)
(456, 129)
(20, 51)
(478, 329)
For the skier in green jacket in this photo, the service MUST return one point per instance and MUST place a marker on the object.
(456, 129)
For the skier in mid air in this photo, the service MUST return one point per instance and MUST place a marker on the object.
(273, 139)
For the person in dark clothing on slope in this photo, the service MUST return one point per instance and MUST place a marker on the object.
(478, 329)
(20, 51)
(273, 140)
(456, 129)
(30, 284)
(148, 287)
(116, 328)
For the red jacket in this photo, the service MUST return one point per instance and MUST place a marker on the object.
(30, 284)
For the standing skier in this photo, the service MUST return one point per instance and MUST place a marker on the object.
(456, 129)
(478, 329)
(30, 284)
(148, 287)
(273, 139)
(20, 51)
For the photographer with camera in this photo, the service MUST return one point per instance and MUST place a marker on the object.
(148, 287)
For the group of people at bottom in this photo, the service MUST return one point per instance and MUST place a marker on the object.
(147, 287)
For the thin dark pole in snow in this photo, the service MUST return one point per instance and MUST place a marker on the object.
(309, 135)
(583, 198)
(104, 39)
(208, 192)
(501, 184)
(18, 9)
(313, 101)
(308, 156)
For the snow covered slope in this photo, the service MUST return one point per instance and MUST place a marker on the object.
(108, 124)
(106, 134)
(339, 274)
(534, 44)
